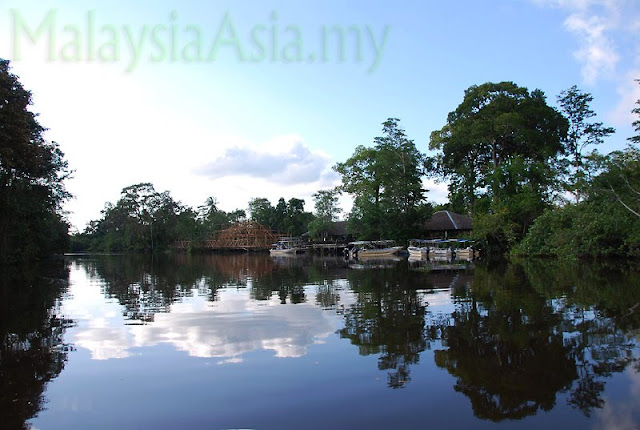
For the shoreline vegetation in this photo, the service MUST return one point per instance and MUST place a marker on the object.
(527, 172)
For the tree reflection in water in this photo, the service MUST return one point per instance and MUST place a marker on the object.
(32, 351)
(389, 318)
(522, 335)
(519, 337)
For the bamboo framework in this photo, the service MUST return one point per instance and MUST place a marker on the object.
(247, 235)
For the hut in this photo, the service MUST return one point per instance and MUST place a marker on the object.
(447, 224)
(337, 232)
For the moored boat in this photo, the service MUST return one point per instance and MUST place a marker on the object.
(285, 247)
(442, 249)
(419, 248)
(373, 248)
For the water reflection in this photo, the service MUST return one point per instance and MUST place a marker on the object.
(511, 326)
(513, 346)
(388, 318)
(32, 350)
(513, 339)
(223, 307)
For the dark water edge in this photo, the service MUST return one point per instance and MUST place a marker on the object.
(519, 345)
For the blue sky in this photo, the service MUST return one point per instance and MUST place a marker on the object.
(208, 103)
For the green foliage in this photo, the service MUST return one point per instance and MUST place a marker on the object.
(605, 224)
(575, 106)
(598, 228)
(498, 151)
(386, 183)
(32, 175)
(286, 217)
(210, 219)
(142, 220)
(621, 177)
(636, 123)
(498, 140)
(495, 230)
(326, 213)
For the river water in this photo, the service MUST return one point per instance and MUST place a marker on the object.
(257, 342)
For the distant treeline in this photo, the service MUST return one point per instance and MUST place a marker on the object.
(144, 220)
(527, 172)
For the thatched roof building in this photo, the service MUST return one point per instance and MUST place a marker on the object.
(447, 224)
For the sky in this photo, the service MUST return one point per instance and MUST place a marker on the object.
(246, 99)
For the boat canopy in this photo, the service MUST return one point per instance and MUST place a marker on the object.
(373, 242)
(440, 241)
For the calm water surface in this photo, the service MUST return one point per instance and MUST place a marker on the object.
(251, 341)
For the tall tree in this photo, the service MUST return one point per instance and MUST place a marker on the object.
(326, 212)
(575, 105)
(262, 212)
(498, 151)
(621, 177)
(636, 123)
(297, 220)
(386, 183)
(142, 220)
(286, 217)
(496, 127)
(32, 175)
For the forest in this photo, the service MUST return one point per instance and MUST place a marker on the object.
(527, 171)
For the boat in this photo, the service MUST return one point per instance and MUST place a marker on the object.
(373, 248)
(465, 250)
(442, 249)
(285, 246)
(430, 249)
(420, 248)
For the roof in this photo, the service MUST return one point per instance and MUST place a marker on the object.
(446, 220)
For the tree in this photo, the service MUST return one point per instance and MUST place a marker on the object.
(605, 223)
(211, 218)
(636, 123)
(279, 220)
(575, 106)
(32, 176)
(142, 220)
(261, 211)
(326, 212)
(386, 183)
(494, 128)
(237, 215)
(498, 151)
(287, 217)
(297, 220)
(621, 177)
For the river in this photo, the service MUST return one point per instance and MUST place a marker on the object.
(256, 342)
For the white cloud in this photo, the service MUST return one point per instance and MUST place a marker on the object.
(599, 26)
(597, 52)
(282, 160)
(619, 414)
(629, 91)
(438, 191)
(226, 329)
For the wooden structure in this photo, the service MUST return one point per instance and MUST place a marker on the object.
(247, 236)
(182, 244)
